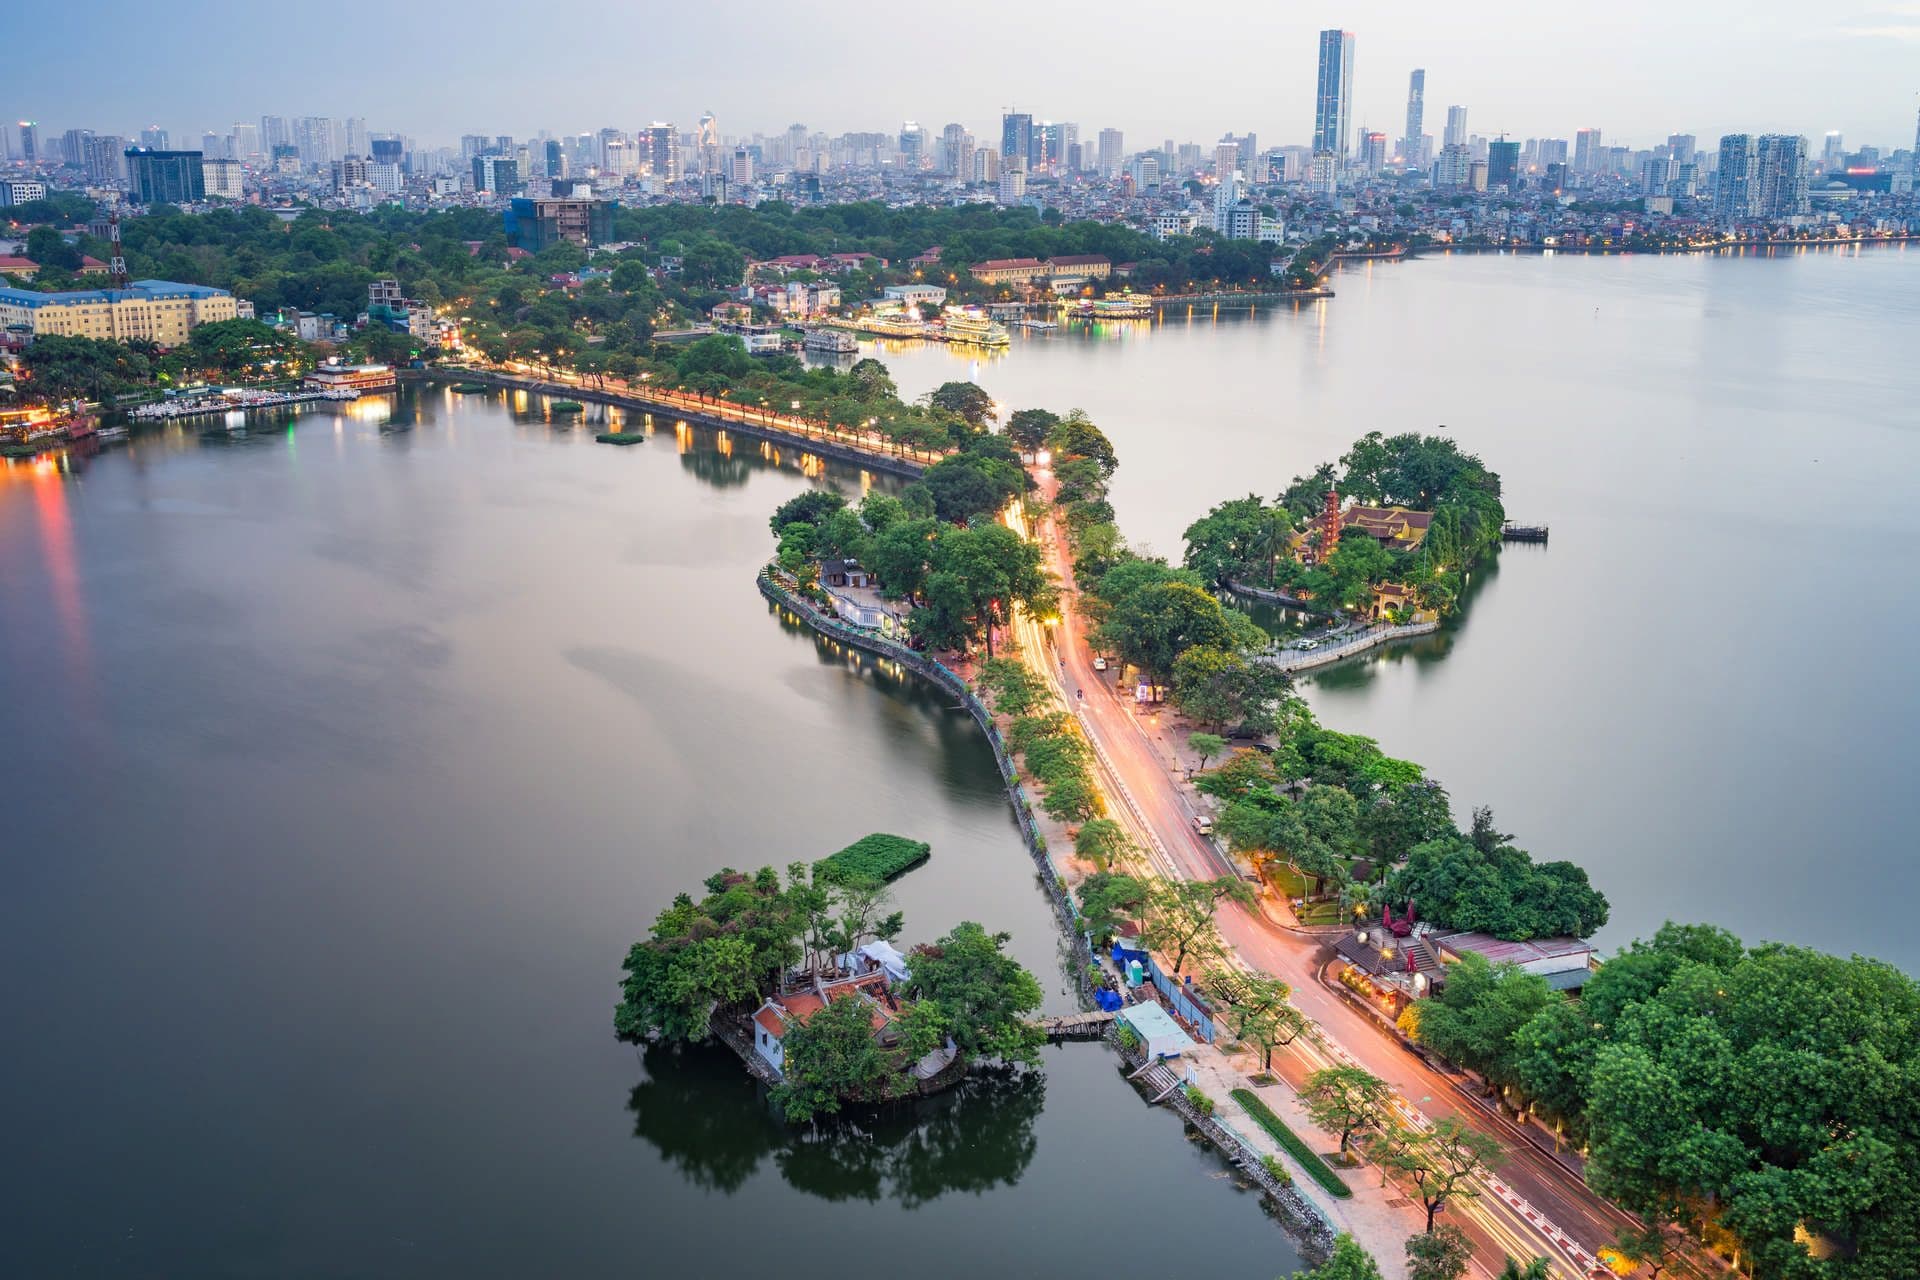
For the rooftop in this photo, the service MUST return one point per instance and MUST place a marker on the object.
(146, 290)
(1530, 951)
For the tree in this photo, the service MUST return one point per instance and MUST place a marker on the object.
(966, 400)
(1180, 914)
(1533, 1269)
(1347, 1262)
(1346, 1100)
(830, 1059)
(1109, 899)
(1101, 841)
(1219, 544)
(1641, 1246)
(63, 368)
(983, 993)
(1077, 438)
(964, 486)
(1220, 687)
(1029, 428)
(1153, 626)
(977, 577)
(1258, 1011)
(1444, 1161)
(810, 507)
(1206, 745)
(1440, 1254)
(1475, 1016)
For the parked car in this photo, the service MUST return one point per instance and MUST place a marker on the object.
(1099, 663)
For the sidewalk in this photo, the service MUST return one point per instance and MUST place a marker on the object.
(1381, 1228)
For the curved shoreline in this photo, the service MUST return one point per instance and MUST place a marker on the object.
(1304, 1222)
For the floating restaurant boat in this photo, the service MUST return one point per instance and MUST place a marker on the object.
(1123, 306)
(971, 325)
(837, 342)
(360, 379)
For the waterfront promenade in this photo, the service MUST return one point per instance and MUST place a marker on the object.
(867, 449)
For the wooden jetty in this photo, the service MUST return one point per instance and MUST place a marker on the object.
(1511, 532)
(1077, 1026)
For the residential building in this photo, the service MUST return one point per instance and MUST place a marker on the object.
(104, 157)
(165, 177)
(740, 170)
(1780, 188)
(1373, 150)
(158, 311)
(1456, 127)
(662, 147)
(1013, 184)
(1733, 181)
(154, 138)
(245, 145)
(1112, 152)
(1586, 151)
(497, 174)
(1333, 98)
(223, 179)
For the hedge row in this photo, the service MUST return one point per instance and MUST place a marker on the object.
(1316, 1168)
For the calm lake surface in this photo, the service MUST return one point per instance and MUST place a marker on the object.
(348, 757)
(1701, 691)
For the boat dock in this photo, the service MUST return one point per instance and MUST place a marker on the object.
(1077, 1026)
(1511, 532)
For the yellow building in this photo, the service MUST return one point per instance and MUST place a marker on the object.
(147, 310)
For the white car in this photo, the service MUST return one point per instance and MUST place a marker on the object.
(1203, 824)
(1099, 664)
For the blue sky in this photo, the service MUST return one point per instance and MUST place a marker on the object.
(1156, 70)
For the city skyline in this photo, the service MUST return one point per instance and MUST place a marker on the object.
(1516, 78)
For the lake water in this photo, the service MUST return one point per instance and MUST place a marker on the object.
(1701, 690)
(348, 756)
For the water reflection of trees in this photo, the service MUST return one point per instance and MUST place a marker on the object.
(720, 470)
(717, 1128)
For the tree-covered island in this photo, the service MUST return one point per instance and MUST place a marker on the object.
(799, 975)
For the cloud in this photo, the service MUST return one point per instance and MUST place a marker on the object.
(1888, 31)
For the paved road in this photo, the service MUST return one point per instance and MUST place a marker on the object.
(1161, 813)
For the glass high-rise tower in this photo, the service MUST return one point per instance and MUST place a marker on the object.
(1333, 101)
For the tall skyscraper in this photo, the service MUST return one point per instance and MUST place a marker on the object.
(954, 160)
(1503, 164)
(1226, 160)
(164, 177)
(1333, 98)
(706, 137)
(913, 146)
(246, 142)
(1680, 146)
(29, 141)
(154, 138)
(1780, 176)
(662, 148)
(1412, 143)
(274, 132)
(1456, 134)
(104, 156)
(213, 146)
(1373, 150)
(356, 136)
(1586, 151)
(1733, 181)
(1016, 134)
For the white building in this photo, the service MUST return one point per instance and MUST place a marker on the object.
(224, 179)
(1013, 186)
(21, 190)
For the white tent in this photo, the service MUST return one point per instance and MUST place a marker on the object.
(887, 957)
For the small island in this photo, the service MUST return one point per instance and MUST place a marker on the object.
(799, 975)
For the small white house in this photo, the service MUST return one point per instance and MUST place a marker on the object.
(1160, 1036)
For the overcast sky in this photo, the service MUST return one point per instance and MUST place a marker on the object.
(1637, 69)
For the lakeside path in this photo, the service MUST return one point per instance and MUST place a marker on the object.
(1534, 1204)
(811, 435)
